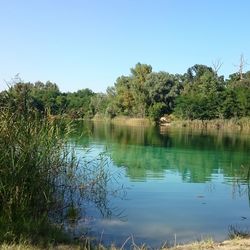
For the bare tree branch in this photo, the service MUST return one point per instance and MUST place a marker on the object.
(217, 65)
(241, 66)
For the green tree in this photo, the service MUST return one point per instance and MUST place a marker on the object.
(202, 93)
(156, 110)
(123, 95)
(237, 96)
(162, 88)
(139, 76)
(78, 103)
(45, 96)
(98, 104)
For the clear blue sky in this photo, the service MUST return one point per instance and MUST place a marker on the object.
(89, 43)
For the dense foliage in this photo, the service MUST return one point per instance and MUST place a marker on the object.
(46, 99)
(200, 93)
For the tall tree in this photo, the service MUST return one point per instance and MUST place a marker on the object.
(201, 95)
(139, 76)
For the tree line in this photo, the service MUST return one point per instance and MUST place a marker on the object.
(200, 93)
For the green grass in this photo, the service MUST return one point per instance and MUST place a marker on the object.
(32, 156)
(41, 179)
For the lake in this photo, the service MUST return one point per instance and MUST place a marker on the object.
(177, 184)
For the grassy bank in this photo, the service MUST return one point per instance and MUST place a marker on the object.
(242, 124)
(234, 244)
(125, 120)
(122, 120)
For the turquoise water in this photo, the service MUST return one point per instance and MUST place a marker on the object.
(174, 185)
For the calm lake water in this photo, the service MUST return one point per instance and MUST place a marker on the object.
(177, 184)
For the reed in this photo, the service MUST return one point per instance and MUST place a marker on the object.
(31, 158)
(41, 179)
(131, 121)
(241, 124)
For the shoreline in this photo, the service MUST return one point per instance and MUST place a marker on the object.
(232, 244)
(242, 124)
(124, 120)
(234, 124)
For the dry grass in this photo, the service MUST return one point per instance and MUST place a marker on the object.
(124, 120)
(242, 124)
(235, 244)
(131, 121)
(18, 247)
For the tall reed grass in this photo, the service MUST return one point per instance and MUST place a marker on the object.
(40, 177)
(234, 124)
(31, 157)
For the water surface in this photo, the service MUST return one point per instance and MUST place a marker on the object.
(180, 184)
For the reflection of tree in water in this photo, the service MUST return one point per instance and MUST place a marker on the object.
(168, 137)
(193, 165)
(196, 155)
(145, 153)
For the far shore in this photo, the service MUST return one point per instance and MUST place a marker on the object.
(242, 124)
(124, 120)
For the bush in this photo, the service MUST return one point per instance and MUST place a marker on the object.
(156, 111)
